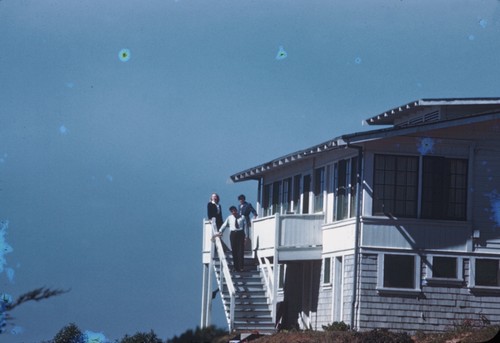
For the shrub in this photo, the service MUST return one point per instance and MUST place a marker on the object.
(70, 334)
(336, 326)
(141, 337)
(208, 334)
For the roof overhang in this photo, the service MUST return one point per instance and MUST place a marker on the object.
(348, 140)
(388, 117)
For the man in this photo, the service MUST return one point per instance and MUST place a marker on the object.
(245, 209)
(239, 232)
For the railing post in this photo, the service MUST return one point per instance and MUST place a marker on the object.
(209, 298)
(206, 298)
(277, 241)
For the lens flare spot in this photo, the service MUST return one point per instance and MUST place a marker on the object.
(426, 146)
(494, 209)
(63, 130)
(124, 55)
(282, 54)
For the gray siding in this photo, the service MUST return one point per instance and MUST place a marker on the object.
(435, 309)
(486, 198)
(348, 288)
(323, 315)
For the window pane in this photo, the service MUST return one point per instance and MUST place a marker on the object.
(281, 280)
(395, 185)
(319, 188)
(305, 196)
(399, 271)
(276, 197)
(444, 191)
(327, 270)
(341, 191)
(487, 272)
(296, 193)
(287, 197)
(353, 185)
(266, 204)
(444, 267)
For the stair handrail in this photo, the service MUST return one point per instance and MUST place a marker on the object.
(225, 274)
(267, 272)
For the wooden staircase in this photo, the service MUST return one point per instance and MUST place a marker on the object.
(252, 311)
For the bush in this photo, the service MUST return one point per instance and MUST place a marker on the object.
(336, 326)
(70, 334)
(208, 334)
(141, 337)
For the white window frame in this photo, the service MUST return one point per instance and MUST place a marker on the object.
(430, 279)
(394, 290)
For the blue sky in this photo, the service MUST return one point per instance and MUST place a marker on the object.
(106, 166)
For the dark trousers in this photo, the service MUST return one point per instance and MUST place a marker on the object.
(237, 239)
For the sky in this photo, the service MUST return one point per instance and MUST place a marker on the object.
(107, 161)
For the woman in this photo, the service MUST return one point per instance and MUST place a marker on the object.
(214, 210)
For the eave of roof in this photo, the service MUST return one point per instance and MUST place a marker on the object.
(344, 141)
(388, 117)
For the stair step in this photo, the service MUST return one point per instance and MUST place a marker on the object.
(252, 311)
(246, 322)
(246, 295)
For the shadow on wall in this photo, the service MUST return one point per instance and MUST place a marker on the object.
(301, 292)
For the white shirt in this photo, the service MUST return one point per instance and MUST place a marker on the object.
(231, 223)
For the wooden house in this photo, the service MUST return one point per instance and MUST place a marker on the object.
(396, 227)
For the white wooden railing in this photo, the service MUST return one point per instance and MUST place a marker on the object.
(225, 275)
(282, 231)
(270, 279)
(268, 235)
(287, 231)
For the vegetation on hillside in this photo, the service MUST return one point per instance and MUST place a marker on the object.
(337, 332)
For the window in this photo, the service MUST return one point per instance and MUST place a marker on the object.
(319, 189)
(353, 185)
(395, 185)
(271, 198)
(267, 200)
(487, 273)
(327, 271)
(345, 188)
(305, 195)
(444, 269)
(296, 193)
(444, 189)
(286, 201)
(276, 197)
(283, 196)
(281, 277)
(398, 273)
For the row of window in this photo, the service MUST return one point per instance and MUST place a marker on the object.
(399, 271)
(404, 186)
(292, 195)
(437, 190)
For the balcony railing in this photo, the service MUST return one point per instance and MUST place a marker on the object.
(287, 231)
